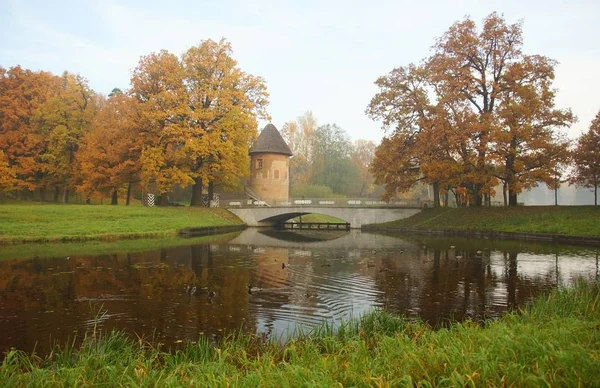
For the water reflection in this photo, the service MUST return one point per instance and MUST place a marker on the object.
(270, 282)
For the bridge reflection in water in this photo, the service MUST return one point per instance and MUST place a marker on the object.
(297, 279)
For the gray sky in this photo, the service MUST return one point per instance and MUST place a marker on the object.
(315, 55)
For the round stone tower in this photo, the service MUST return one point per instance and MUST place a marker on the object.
(270, 166)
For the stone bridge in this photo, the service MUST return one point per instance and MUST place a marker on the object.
(356, 212)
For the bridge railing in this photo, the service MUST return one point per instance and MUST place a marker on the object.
(322, 202)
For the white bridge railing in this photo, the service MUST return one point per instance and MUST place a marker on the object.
(321, 202)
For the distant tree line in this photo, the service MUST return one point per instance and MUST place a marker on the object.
(185, 120)
(326, 162)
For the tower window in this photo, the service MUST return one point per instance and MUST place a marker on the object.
(276, 174)
(258, 163)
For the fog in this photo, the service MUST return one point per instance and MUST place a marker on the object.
(567, 195)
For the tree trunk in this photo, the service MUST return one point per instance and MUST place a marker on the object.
(436, 194)
(476, 195)
(512, 197)
(504, 194)
(115, 198)
(164, 199)
(66, 194)
(196, 192)
(596, 195)
(211, 192)
(362, 190)
(128, 194)
(56, 192)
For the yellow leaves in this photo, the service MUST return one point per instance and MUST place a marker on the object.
(199, 112)
(476, 111)
(8, 175)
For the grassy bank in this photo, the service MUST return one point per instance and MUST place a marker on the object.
(49, 222)
(99, 247)
(567, 220)
(312, 217)
(556, 342)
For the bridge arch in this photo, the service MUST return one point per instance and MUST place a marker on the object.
(280, 218)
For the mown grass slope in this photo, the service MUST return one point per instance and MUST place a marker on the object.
(568, 220)
(28, 222)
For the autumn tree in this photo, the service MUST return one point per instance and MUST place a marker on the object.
(8, 176)
(586, 159)
(395, 165)
(223, 105)
(407, 113)
(157, 85)
(63, 120)
(528, 144)
(110, 153)
(492, 109)
(22, 93)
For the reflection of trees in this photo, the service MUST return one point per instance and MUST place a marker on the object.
(148, 293)
(142, 292)
(438, 285)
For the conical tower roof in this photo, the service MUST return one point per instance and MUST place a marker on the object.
(270, 141)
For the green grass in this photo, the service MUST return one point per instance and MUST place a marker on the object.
(567, 220)
(313, 217)
(27, 222)
(555, 342)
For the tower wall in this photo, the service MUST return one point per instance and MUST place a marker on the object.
(270, 176)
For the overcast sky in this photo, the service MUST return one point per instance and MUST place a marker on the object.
(315, 55)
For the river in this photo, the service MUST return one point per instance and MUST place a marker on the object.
(297, 280)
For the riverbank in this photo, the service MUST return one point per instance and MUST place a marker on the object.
(555, 342)
(565, 224)
(27, 222)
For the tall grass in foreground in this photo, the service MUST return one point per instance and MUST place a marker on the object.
(555, 342)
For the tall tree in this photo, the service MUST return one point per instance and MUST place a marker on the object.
(586, 159)
(491, 114)
(224, 103)
(404, 107)
(299, 136)
(110, 153)
(332, 165)
(22, 93)
(157, 84)
(471, 65)
(63, 120)
(362, 154)
(8, 175)
(528, 143)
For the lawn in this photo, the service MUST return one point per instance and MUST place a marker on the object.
(27, 222)
(567, 220)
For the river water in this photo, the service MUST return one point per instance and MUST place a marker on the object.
(297, 280)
